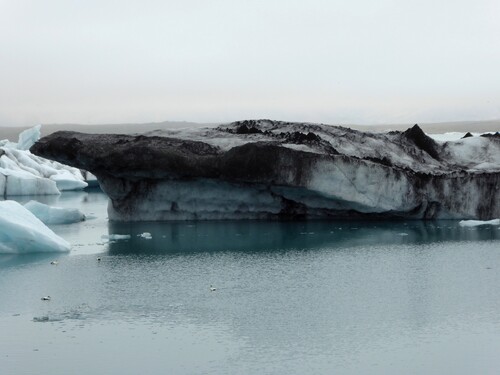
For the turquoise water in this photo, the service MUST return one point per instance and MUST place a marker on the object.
(292, 298)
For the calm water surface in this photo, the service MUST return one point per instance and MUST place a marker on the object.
(292, 298)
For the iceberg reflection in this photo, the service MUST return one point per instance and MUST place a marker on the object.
(255, 236)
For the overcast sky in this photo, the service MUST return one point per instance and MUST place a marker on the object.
(331, 61)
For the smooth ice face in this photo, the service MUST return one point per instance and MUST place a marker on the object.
(364, 187)
(20, 182)
(22, 173)
(54, 215)
(28, 138)
(21, 232)
(200, 200)
(68, 180)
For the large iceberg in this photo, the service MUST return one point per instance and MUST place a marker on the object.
(54, 215)
(263, 169)
(22, 232)
(22, 173)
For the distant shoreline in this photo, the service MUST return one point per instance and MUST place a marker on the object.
(12, 133)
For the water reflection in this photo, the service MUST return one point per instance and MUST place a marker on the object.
(16, 260)
(256, 236)
(242, 236)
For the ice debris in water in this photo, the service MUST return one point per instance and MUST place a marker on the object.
(78, 313)
(22, 232)
(476, 223)
(22, 173)
(54, 215)
(115, 237)
(145, 235)
(43, 318)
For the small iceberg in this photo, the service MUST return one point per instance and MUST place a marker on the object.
(22, 173)
(22, 232)
(476, 223)
(54, 215)
(145, 235)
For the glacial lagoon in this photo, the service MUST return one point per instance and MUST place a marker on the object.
(310, 297)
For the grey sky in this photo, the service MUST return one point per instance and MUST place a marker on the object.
(356, 61)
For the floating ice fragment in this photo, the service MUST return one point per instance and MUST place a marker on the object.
(23, 232)
(475, 223)
(54, 215)
(44, 318)
(145, 235)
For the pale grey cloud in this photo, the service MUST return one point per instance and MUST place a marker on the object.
(327, 61)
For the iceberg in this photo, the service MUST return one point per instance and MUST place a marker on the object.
(54, 215)
(22, 173)
(22, 232)
(264, 169)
